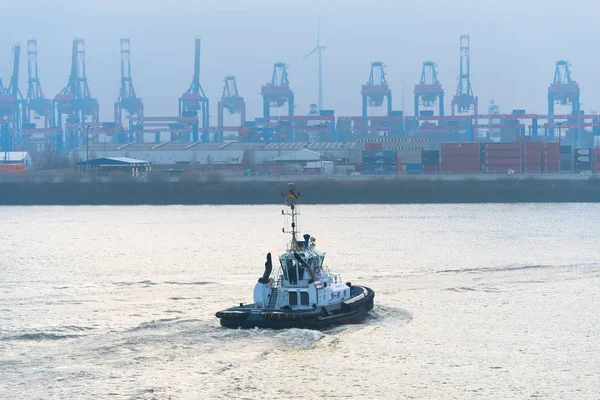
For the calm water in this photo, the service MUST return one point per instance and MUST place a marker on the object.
(472, 301)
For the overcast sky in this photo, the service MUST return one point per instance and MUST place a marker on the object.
(514, 45)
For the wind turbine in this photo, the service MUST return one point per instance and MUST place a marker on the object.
(318, 49)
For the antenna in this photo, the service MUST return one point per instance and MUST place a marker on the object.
(290, 200)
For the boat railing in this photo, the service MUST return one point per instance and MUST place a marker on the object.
(277, 280)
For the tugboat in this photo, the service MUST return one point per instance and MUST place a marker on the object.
(303, 293)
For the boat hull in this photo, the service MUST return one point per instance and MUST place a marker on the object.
(352, 311)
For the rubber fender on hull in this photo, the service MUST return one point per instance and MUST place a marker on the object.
(291, 316)
(232, 314)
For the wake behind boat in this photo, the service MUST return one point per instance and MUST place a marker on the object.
(303, 293)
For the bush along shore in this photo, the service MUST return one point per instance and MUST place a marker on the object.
(312, 192)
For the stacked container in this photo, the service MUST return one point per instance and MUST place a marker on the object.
(596, 160)
(551, 157)
(501, 157)
(582, 161)
(532, 157)
(414, 168)
(380, 162)
(431, 161)
(374, 146)
(460, 158)
(566, 159)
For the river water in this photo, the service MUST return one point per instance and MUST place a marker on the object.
(472, 301)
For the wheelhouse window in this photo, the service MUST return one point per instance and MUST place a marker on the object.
(304, 298)
(282, 261)
(293, 296)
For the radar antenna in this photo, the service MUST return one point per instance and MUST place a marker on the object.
(290, 200)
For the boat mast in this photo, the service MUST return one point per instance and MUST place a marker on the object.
(290, 200)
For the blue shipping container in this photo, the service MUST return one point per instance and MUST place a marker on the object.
(381, 169)
(381, 161)
(413, 167)
(380, 153)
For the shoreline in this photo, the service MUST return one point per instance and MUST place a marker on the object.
(316, 192)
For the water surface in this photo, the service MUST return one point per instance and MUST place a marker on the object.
(472, 301)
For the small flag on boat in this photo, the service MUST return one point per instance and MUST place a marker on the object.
(293, 195)
(318, 285)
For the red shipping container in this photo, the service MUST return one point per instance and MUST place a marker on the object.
(502, 153)
(552, 156)
(596, 167)
(551, 145)
(502, 146)
(503, 161)
(552, 160)
(463, 145)
(458, 152)
(474, 161)
(532, 152)
(461, 165)
(530, 170)
(460, 170)
(501, 170)
(474, 158)
(374, 146)
(532, 145)
(358, 168)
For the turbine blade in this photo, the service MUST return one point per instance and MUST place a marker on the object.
(318, 31)
(310, 54)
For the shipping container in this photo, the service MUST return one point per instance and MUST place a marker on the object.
(430, 157)
(461, 145)
(565, 165)
(374, 146)
(551, 145)
(457, 169)
(501, 146)
(502, 161)
(12, 168)
(532, 170)
(596, 167)
(380, 161)
(565, 149)
(431, 169)
(502, 153)
(414, 166)
(501, 169)
(532, 145)
(379, 154)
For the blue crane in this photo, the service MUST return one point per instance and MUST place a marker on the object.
(11, 99)
(277, 92)
(36, 102)
(232, 102)
(376, 90)
(75, 100)
(127, 101)
(194, 101)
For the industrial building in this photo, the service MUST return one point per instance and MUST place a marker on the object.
(105, 165)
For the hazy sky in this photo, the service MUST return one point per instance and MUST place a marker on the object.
(514, 45)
